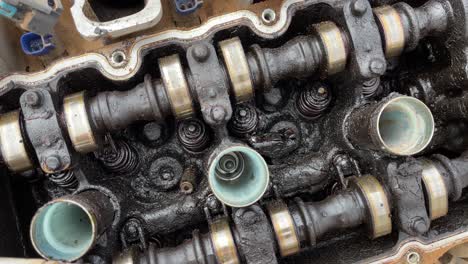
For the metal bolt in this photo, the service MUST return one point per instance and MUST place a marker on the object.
(377, 66)
(419, 226)
(167, 175)
(152, 131)
(32, 99)
(249, 216)
(273, 97)
(212, 93)
(131, 229)
(201, 52)
(218, 113)
(358, 7)
(212, 203)
(53, 163)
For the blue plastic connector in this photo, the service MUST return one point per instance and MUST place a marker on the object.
(36, 45)
(7, 10)
(186, 7)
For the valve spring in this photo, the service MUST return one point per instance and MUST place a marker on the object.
(65, 179)
(193, 135)
(231, 166)
(370, 87)
(313, 101)
(123, 159)
(244, 120)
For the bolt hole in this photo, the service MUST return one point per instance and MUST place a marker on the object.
(268, 15)
(118, 57)
(413, 258)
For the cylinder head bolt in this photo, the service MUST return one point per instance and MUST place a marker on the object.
(238, 176)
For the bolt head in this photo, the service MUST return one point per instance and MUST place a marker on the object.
(201, 52)
(152, 131)
(131, 229)
(248, 216)
(53, 163)
(212, 203)
(32, 99)
(377, 67)
(167, 175)
(273, 97)
(218, 113)
(358, 7)
(419, 226)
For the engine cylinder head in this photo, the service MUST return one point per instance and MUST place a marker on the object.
(244, 120)
(238, 176)
(313, 101)
(65, 229)
(193, 135)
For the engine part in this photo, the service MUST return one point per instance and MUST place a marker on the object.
(313, 101)
(301, 224)
(193, 135)
(238, 175)
(39, 114)
(399, 125)
(36, 45)
(149, 16)
(188, 183)
(244, 132)
(119, 157)
(66, 179)
(66, 228)
(13, 147)
(244, 120)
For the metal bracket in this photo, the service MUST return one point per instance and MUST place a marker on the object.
(42, 125)
(210, 83)
(367, 59)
